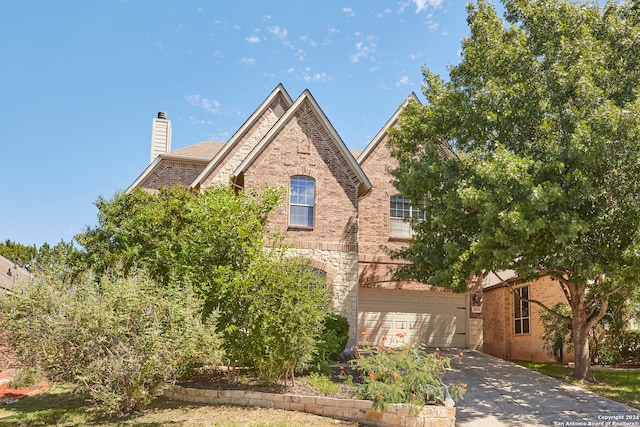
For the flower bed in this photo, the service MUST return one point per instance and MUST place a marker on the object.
(346, 409)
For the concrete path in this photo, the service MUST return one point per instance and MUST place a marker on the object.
(500, 393)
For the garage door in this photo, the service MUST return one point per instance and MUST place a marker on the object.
(437, 319)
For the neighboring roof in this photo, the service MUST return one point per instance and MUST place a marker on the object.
(365, 184)
(498, 278)
(380, 136)
(11, 274)
(237, 137)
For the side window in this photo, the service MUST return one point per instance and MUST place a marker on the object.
(521, 310)
(302, 194)
(401, 212)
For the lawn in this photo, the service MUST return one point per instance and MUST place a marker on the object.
(58, 406)
(616, 384)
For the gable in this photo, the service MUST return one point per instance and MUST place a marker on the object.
(304, 129)
(220, 168)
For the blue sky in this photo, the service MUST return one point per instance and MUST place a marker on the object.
(81, 81)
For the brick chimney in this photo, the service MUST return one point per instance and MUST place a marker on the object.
(160, 135)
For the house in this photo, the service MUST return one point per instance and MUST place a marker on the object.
(341, 209)
(11, 275)
(513, 328)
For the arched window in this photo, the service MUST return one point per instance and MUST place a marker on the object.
(401, 212)
(302, 196)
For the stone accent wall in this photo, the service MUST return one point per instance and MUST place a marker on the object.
(499, 337)
(344, 409)
(342, 275)
(170, 173)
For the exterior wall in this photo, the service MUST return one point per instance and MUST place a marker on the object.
(499, 337)
(375, 269)
(170, 173)
(304, 147)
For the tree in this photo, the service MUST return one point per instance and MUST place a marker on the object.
(527, 158)
(18, 253)
(268, 309)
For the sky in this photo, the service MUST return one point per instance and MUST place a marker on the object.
(81, 81)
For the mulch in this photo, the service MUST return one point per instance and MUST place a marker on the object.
(10, 395)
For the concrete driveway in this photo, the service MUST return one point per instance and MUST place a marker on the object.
(500, 393)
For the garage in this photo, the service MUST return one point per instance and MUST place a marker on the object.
(438, 319)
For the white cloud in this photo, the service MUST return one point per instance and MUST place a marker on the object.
(364, 50)
(434, 26)
(279, 32)
(248, 61)
(423, 4)
(404, 81)
(291, 70)
(315, 77)
(253, 40)
(348, 11)
(210, 105)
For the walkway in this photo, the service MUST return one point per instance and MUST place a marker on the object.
(500, 393)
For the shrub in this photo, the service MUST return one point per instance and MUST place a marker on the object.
(332, 341)
(118, 339)
(405, 375)
(630, 346)
(557, 332)
(270, 315)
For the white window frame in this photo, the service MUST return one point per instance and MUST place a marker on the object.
(399, 216)
(301, 203)
(521, 311)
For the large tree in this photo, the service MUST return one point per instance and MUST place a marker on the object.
(528, 157)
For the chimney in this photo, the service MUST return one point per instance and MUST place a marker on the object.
(160, 135)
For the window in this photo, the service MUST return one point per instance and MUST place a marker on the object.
(401, 213)
(301, 201)
(521, 312)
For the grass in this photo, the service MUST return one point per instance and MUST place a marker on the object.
(616, 384)
(58, 406)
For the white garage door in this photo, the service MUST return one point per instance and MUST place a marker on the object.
(438, 319)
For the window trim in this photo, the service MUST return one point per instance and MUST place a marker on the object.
(413, 212)
(521, 322)
(312, 206)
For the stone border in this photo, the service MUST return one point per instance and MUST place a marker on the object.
(344, 409)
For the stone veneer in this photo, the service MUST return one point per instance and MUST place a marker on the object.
(345, 409)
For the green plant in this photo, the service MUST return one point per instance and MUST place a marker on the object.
(332, 341)
(118, 339)
(270, 314)
(404, 375)
(322, 383)
(557, 331)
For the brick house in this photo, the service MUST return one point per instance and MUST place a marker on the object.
(512, 327)
(340, 209)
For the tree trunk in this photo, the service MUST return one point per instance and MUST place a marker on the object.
(582, 358)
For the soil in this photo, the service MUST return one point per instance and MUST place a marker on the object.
(220, 380)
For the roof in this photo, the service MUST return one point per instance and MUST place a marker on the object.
(498, 278)
(365, 184)
(11, 274)
(204, 150)
(380, 136)
(197, 153)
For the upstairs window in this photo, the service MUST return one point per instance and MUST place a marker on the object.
(521, 310)
(302, 196)
(401, 213)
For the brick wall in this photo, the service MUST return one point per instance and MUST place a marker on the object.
(170, 173)
(499, 337)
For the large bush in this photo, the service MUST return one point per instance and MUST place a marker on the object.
(332, 341)
(119, 339)
(270, 315)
